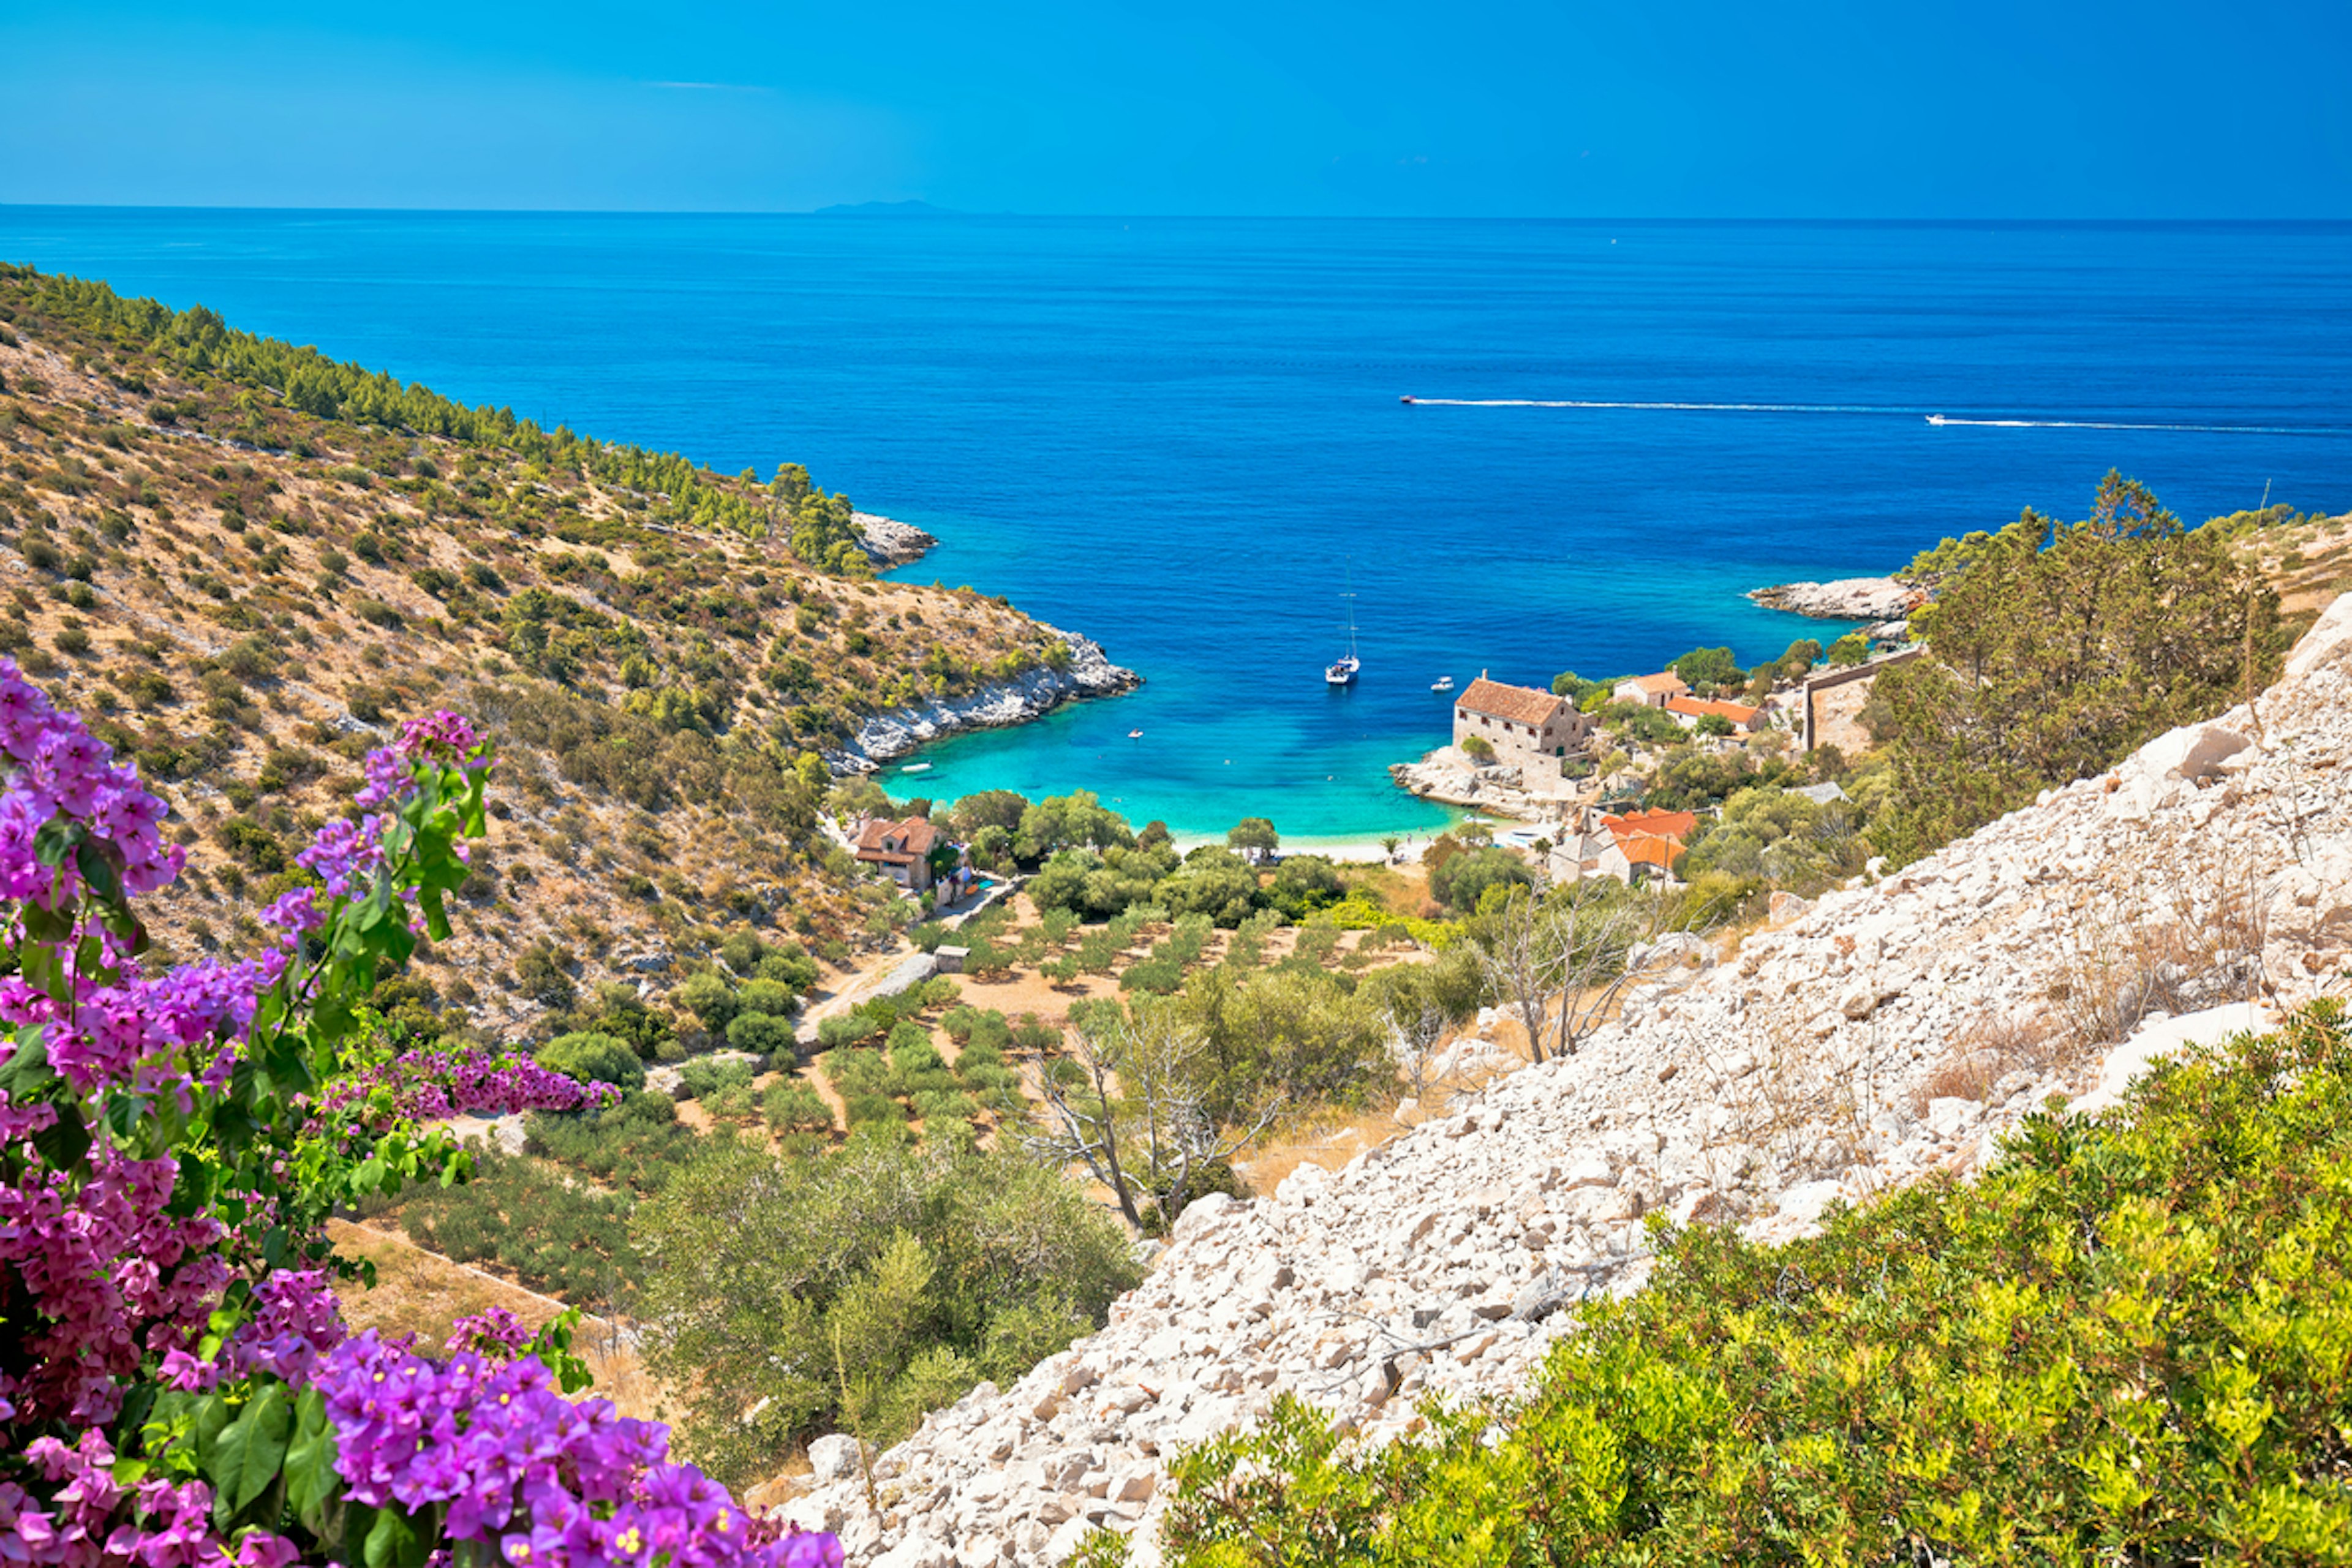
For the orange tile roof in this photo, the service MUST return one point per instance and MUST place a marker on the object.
(1667, 683)
(1651, 850)
(1700, 707)
(1675, 824)
(1519, 704)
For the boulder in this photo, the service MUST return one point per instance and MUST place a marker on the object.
(834, 1458)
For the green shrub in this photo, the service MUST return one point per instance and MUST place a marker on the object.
(865, 1108)
(763, 1034)
(2131, 1341)
(1156, 976)
(593, 1059)
(796, 1108)
(902, 1277)
(709, 998)
(702, 1078)
(771, 996)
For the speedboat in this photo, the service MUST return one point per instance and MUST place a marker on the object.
(1938, 419)
(1442, 683)
(916, 768)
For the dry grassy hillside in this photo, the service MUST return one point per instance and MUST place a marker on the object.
(252, 563)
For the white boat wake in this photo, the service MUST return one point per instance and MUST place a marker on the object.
(1879, 410)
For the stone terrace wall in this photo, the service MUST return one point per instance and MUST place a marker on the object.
(1884, 1033)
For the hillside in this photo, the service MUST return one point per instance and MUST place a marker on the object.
(1885, 1034)
(253, 562)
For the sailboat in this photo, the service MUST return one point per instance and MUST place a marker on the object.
(1342, 670)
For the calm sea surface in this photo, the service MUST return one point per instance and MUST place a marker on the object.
(1183, 436)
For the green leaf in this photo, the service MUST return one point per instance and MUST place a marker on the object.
(97, 868)
(311, 1482)
(27, 1072)
(211, 1415)
(44, 926)
(64, 1141)
(245, 1460)
(391, 1543)
(55, 840)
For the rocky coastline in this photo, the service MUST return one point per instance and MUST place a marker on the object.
(888, 541)
(1031, 694)
(1847, 599)
(1447, 776)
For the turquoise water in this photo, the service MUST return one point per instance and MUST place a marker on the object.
(1181, 436)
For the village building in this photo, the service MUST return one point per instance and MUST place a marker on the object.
(901, 848)
(1688, 710)
(1627, 846)
(1522, 724)
(1651, 690)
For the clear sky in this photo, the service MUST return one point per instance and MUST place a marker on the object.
(1633, 108)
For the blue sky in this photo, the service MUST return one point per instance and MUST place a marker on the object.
(1631, 109)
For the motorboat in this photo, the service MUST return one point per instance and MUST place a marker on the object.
(1442, 683)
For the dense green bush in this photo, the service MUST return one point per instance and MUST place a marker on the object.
(1462, 879)
(2130, 1342)
(594, 1058)
(855, 1290)
(763, 1034)
(792, 1107)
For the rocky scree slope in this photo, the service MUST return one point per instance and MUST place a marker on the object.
(1883, 1032)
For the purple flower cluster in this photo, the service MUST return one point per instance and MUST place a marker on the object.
(60, 769)
(80, 1527)
(345, 856)
(296, 1322)
(441, 737)
(515, 1463)
(453, 1078)
(495, 1335)
(110, 1275)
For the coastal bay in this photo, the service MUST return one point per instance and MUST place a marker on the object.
(1181, 438)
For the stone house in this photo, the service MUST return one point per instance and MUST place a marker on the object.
(1626, 846)
(901, 848)
(1522, 724)
(1688, 710)
(1651, 690)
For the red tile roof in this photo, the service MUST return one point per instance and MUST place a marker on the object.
(915, 835)
(1700, 707)
(1666, 684)
(1519, 704)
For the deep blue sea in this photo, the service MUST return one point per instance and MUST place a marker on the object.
(1183, 436)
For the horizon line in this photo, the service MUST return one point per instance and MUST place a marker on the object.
(834, 209)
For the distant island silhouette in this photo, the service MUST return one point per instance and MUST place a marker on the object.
(885, 209)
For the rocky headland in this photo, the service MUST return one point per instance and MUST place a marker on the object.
(1031, 694)
(886, 541)
(1847, 599)
(1883, 1032)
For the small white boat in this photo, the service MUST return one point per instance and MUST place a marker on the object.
(1442, 683)
(1937, 419)
(1135, 734)
(1342, 670)
(916, 768)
